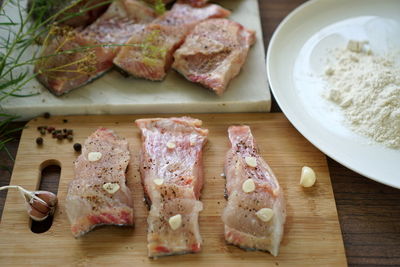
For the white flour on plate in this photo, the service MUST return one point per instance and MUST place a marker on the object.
(367, 88)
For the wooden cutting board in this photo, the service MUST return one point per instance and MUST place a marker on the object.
(312, 232)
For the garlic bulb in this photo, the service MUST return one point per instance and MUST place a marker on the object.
(39, 204)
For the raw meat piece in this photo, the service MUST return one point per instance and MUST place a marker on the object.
(213, 53)
(89, 203)
(243, 227)
(46, 8)
(151, 50)
(65, 72)
(172, 153)
(180, 167)
(162, 240)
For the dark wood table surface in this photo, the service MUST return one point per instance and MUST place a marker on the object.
(369, 212)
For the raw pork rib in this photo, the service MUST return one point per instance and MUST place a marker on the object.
(122, 19)
(243, 227)
(213, 53)
(172, 176)
(91, 200)
(151, 50)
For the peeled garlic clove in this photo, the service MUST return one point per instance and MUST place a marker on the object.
(175, 221)
(48, 197)
(251, 161)
(248, 186)
(265, 214)
(308, 177)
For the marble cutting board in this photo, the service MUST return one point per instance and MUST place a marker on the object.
(114, 94)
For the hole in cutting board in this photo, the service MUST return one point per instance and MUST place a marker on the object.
(49, 180)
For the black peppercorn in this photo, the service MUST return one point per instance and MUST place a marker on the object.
(46, 115)
(39, 141)
(77, 147)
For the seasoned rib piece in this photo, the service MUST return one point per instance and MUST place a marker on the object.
(65, 72)
(247, 216)
(98, 195)
(171, 168)
(150, 52)
(213, 53)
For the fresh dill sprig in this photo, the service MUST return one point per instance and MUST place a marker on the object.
(19, 52)
(159, 7)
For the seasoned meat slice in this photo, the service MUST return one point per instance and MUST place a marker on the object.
(171, 169)
(255, 214)
(213, 53)
(98, 194)
(149, 54)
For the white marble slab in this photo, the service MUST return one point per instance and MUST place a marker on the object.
(114, 94)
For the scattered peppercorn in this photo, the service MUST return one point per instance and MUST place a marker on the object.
(77, 147)
(39, 141)
(46, 115)
(65, 120)
(64, 130)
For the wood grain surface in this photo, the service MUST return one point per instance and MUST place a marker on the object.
(369, 212)
(312, 235)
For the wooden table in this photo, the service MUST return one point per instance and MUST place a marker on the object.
(369, 212)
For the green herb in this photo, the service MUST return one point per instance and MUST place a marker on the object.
(152, 51)
(159, 7)
(19, 52)
(6, 134)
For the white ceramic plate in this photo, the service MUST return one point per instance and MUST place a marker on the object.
(295, 62)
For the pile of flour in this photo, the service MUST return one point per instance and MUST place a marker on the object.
(367, 88)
